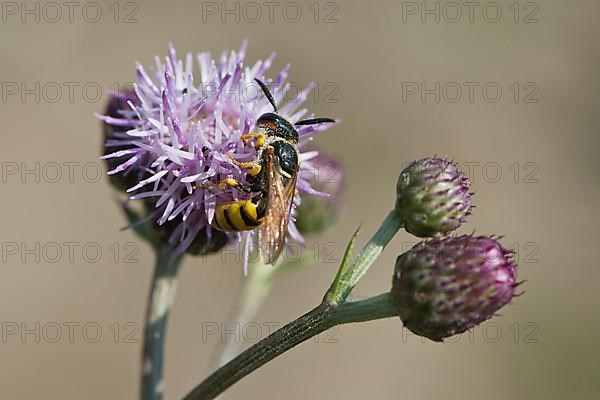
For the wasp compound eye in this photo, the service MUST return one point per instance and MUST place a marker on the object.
(432, 197)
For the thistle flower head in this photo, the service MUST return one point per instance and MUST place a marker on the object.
(432, 197)
(178, 135)
(442, 287)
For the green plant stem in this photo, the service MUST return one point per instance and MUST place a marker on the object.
(256, 287)
(160, 301)
(349, 276)
(310, 324)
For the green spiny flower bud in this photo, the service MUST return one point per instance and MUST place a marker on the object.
(207, 241)
(318, 212)
(432, 197)
(442, 287)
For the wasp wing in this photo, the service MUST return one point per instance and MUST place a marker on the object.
(273, 230)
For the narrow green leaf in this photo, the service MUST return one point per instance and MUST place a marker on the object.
(332, 295)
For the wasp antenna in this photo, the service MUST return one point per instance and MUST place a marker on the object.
(314, 121)
(267, 93)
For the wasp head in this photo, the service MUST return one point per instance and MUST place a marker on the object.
(277, 126)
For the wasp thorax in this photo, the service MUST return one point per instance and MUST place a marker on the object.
(432, 197)
(275, 125)
(442, 287)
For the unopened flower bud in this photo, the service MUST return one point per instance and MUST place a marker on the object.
(432, 197)
(317, 213)
(115, 106)
(205, 242)
(442, 287)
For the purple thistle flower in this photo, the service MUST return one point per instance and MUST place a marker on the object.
(442, 287)
(176, 134)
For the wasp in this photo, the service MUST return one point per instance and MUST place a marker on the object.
(271, 178)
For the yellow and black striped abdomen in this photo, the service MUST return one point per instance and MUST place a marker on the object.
(234, 216)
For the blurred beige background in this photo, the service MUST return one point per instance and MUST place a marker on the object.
(544, 346)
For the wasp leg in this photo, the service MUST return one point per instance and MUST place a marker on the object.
(233, 183)
(254, 167)
(261, 138)
(222, 185)
(228, 182)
